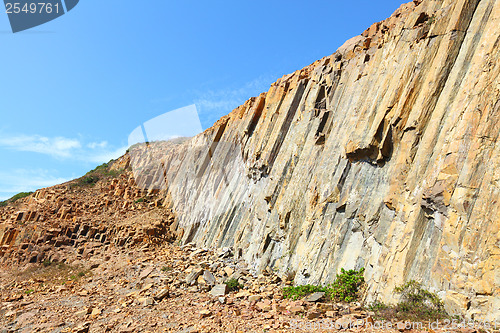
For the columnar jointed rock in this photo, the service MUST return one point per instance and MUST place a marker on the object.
(69, 221)
(383, 155)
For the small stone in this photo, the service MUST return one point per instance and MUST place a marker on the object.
(201, 280)
(331, 314)
(83, 328)
(193, 276)
(219, 290)
(313, 315)
(162, 294)
(95, 312)
(229, 271)
(296, 309)
(222, 300)
(209, 278)
(314, 297)
(205, 313)
(264, 306)
(82, 312)
(254, 298)
(146, 301)
(242, 294)
(195, 253)
(147, 287)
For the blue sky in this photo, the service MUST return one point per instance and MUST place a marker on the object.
(73, 89)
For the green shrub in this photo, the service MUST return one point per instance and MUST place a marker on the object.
(104, 170)
(417, 302)
(47, 263)
(377, 306)
(233, 284)
(301, 291)
(346, 286)
(96, 174)
(15, 198)
(89, 180)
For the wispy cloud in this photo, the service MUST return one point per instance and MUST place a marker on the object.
(62, 148)
(94, 145)
(107, 155)
(57, 147)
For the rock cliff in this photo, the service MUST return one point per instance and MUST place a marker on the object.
(384, 155)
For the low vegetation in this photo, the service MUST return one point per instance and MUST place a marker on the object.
(301, 291)
(416, 303)
(50, 274)
(15, 198)
(347, 285)
(93, 176)
(233, 284)
(345, 288)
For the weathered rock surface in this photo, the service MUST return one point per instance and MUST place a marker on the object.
(144, 289)
(384, 155)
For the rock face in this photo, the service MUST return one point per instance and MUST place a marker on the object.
(384, 155)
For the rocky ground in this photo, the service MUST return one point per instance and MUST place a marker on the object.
(165, 288)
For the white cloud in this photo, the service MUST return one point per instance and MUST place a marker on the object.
(23, 180)
(106, 156)
(62, 148)
(94, 145)
(56, 147)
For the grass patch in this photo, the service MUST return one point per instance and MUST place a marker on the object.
(89, 180)
(416, 303)
(15, 198)
(77, 276)
(300, 291)
(345, 288)
(166, 269)
(93, 176)
(45, 275)
(233, 284)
